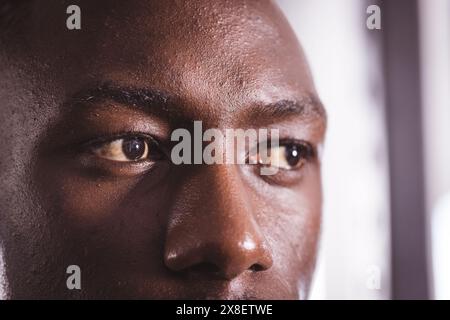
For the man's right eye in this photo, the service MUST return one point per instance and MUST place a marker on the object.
(127, 149)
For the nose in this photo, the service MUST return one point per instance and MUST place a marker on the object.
(212, 228)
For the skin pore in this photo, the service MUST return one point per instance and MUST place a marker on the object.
(145, 228)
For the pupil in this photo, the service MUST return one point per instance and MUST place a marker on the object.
(292, 155)
(133, 148)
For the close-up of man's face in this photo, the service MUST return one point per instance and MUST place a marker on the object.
(86, 172)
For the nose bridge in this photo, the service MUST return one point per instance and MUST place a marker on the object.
(216, 226)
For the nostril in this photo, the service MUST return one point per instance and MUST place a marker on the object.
(257, 267)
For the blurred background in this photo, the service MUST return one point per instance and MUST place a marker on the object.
(386, 166)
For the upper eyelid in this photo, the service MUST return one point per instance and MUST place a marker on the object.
(90, 145)
(311, 148)
(97, 142)
(283, 142)
(112, 138)
(287, 141)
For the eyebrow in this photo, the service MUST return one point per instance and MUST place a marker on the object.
(157, 102)
(308, 107)
(141, 98)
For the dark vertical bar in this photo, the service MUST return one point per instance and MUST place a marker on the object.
(403, 110)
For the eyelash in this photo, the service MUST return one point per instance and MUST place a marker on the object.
(309, 152)
(98, 142)
(310, 149)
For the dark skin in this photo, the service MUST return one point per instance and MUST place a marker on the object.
(148, 228)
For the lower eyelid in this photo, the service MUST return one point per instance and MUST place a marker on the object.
(104, 168)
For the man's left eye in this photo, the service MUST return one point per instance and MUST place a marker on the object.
(124, 149)
(289, 156)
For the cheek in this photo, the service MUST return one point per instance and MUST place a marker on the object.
(291, 223)
(294, 242)
(120, 214)
(88, 197)
(113, 227)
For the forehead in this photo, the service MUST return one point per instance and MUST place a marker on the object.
(202, 51)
